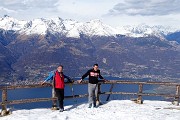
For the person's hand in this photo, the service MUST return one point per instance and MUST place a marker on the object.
(80, 81)
(42, 83)
(106, 80)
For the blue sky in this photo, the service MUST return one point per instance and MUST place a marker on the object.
(112, 12)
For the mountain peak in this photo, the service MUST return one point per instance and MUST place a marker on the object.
(6, 16)
(96, 21)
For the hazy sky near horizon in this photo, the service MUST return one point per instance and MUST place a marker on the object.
(112, 12)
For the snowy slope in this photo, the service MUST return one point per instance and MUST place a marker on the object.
(9, 23)
(113, 110)
(72, 28)
(96, 27)
(144, 30)
(41, 26)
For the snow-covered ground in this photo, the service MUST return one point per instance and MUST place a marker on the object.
(112, 110)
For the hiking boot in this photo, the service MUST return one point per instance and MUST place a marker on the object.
(61, 110)
(90, 105)
(94, 106)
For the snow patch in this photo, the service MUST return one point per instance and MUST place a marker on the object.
(112, 110)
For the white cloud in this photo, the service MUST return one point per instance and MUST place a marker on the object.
(84, 9)
(146, 7)
(13, 4)
(122, 20)
(29, 9)
(6, 11)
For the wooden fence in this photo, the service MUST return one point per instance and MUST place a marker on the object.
(139, 93)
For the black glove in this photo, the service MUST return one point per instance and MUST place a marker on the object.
(72, 81)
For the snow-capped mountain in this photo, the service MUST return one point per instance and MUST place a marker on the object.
(143, 30)
(96, 27)
(42, 26)
(72, 28)
(9, 23)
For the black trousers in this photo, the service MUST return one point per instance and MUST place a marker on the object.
(60, 95)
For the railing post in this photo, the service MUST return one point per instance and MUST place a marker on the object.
(111, 88)
(4, 99)
(54, 101)
(98, 95)
(176, 100)
(139, 99)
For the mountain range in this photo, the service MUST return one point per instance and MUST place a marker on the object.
(72, 28)
(30, 49)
